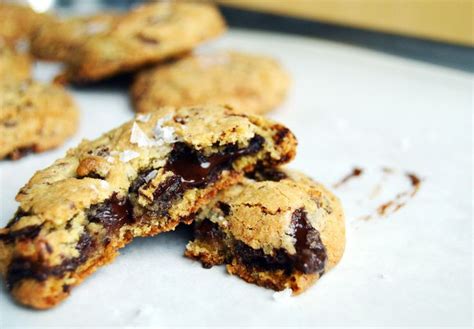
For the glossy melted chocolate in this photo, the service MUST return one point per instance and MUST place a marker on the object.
(197, 170)
(192, 169)
(113, 213)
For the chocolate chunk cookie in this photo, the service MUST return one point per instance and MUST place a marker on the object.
(34, 117)
(14, 65)
(249, 83)
(59, 39)
(278, 229)
(18, 23)
(150, 33)
(140, 179)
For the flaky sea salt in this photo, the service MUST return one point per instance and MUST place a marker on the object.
(139, 137)
(282, 296)
(143, 117)
(205, 165)
(128, 155)
(162, 133)
(104, 184)
(151, 175)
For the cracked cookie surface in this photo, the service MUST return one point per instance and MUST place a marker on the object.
(147, 34)
(252, 84)
(34, 117)
(140, 179)
(278, 229)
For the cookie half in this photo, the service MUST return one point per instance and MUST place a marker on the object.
(140, 179)
(279, 230)
(14, 65)
(252, 84)
(148, 34)
(34, 117)
(59, 39)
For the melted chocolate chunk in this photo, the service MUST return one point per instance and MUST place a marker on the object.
(267, 174)
(280, 260)
(310, 254)
(113, 213)
(28, 232)
(224, 207)
(197, 170)
(170, 190)
(281, 134)
(207, 231)
(24, 268)
(139, 181)
(191, 170)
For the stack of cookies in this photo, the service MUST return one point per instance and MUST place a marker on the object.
(197, 153)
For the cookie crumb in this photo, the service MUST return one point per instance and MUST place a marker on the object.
(283, 296)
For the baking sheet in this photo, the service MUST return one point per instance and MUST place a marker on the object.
(349, 107)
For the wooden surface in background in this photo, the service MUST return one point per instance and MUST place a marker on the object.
(441, 20)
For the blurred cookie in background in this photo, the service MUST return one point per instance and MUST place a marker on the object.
(148, 34)
(18, 23)
(34, 117)
(249, 83)
(59, 39)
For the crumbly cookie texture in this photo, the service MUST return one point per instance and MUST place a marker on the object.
(34, 117)
(148, 34)
(14, 65)
(18, 23)
(59, 39)
(140, 179)
(249, 83)
(278, 229)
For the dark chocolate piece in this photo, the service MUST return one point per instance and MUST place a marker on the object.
(224, 207)
(113, 213)
(170, 190)
(191, 169)
(279, 137)
(208, 231)
(28, 232)
(25, 268)
(267, 174)
(197, 170)
(310, 254)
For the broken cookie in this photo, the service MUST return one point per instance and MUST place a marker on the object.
(277, 229)
(140, 179)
